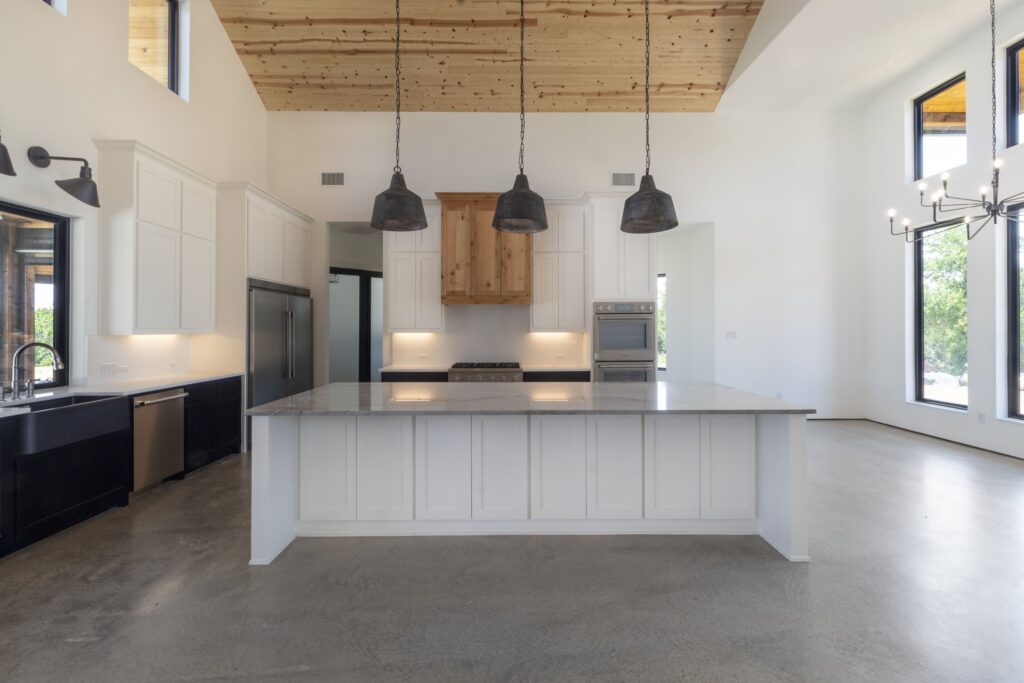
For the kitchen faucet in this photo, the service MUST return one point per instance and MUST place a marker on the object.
(15, 388)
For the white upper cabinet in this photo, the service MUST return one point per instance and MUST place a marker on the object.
(412, 277)
(157, 243)
(624, 265)
(559, 271)
(278, 240)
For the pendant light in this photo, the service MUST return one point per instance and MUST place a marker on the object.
(6, 167)
(398, 209)
(521, 210)
(649, 209)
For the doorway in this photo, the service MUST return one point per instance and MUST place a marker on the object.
(356, 325)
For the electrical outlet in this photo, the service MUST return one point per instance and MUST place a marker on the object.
(981, 418)
(108, 369)
(173, 365)
(121, 369)
(421, 356)
(778, 395)
(731, 334)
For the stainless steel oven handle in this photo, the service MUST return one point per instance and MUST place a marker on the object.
(176, 397)
(618, 316)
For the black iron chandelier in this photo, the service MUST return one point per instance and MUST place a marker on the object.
(521, 210)
(990, 208)
(649, 209)
(398, 209)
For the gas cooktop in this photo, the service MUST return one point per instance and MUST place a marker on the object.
(485, 366)
(485, 372)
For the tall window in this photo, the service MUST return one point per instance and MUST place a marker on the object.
(153, 39)
(662, 341)
(941, 318)
(34, 298)
(940, 128)
(1015, 110)
(1015, 280)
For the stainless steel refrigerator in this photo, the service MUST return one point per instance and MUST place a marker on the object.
(280, 342)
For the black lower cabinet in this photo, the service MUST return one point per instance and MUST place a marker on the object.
(213, 421)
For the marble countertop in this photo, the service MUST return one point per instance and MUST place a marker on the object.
(519, 398)
(526, 368)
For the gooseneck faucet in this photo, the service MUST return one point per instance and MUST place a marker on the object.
(15, 388)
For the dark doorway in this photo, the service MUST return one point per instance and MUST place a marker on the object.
(356, 325)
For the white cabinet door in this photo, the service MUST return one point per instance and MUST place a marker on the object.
(544, 310)
(607, 252)
(296, 253)
(198, 284)
(500, 454)
(571, 228)
(198, 210)
(384, 468)
(402, 241)
(401, 291)
(615, 445)
(672, 466)
(429, 240)
(728, 464)
(558, 466)
(443, 467)
(547, 240)
(273, 248)
(156, 278)
(158, 196)
(639, 266)
(572, 313)
(429, 309)
(257, 239)
(327, 469)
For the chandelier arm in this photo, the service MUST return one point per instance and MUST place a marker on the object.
(972, 235)
(946, 208)
(920, 234)
(963, 199)
(1011, 198)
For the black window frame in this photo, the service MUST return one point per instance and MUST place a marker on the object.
(61, 287)
(919, 122)
(173, 45)
(1013, 89)
(365, 277)
(919, 330)
(1013, 365)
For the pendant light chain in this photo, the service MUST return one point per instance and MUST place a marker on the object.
(646, 83)
(398, 85)
(522, 84)
(992, 10)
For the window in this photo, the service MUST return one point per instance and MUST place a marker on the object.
(153, 39)
(1014, 64)
(941, 318)
(662, 329)
(34, 300)
(940, 128)
(1015, 280)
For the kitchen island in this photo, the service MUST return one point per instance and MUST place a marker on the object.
(361, 459)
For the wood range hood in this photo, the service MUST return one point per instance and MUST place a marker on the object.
(480, 265)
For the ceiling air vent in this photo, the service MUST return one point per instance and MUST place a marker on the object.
(624, 179)
(332, 178)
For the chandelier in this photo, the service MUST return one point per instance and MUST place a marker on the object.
(988, 209)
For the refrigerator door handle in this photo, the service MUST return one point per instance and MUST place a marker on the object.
(291, 344)
(286, 360)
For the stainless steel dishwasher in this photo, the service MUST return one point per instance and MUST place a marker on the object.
(159, 437)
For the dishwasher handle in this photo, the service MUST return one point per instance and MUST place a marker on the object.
(176, 397)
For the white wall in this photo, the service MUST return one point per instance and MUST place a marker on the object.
(686, 256)
(362, 252)
(67, 81)
(788, 254)
(887, 173)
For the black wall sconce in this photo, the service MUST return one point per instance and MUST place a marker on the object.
(82, 188)
(6, 167)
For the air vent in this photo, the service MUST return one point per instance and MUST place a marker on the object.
(332, 178)
(623, 179)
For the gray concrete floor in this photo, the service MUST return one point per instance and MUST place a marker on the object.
(917, 575)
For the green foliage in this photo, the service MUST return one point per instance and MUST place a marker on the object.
(44, 333)
(945, 302)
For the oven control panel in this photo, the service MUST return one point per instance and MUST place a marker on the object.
(624, 307)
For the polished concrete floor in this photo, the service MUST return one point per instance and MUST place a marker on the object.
(917, 575)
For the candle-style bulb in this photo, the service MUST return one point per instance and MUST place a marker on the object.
(922, 187)
(998, 163)
(892, 213)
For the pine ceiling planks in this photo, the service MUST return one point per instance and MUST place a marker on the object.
(462, 55)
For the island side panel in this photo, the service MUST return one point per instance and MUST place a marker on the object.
(782, 483)
(275, 485)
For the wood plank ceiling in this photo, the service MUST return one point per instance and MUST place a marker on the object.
(462, 55)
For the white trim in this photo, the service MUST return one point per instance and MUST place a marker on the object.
(541, 527)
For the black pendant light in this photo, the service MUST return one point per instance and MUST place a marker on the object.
(398, 209)
(521, 210)
(649, 209)
(6, 167)
(82, 188)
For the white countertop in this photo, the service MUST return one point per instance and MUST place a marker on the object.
(520, 398)
(526, 368)
(129, 388)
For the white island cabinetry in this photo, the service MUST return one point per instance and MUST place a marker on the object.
(400, 459)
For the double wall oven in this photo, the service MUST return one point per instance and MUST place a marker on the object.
(624, 341)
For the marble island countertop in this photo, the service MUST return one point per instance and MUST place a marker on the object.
(517, 398)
